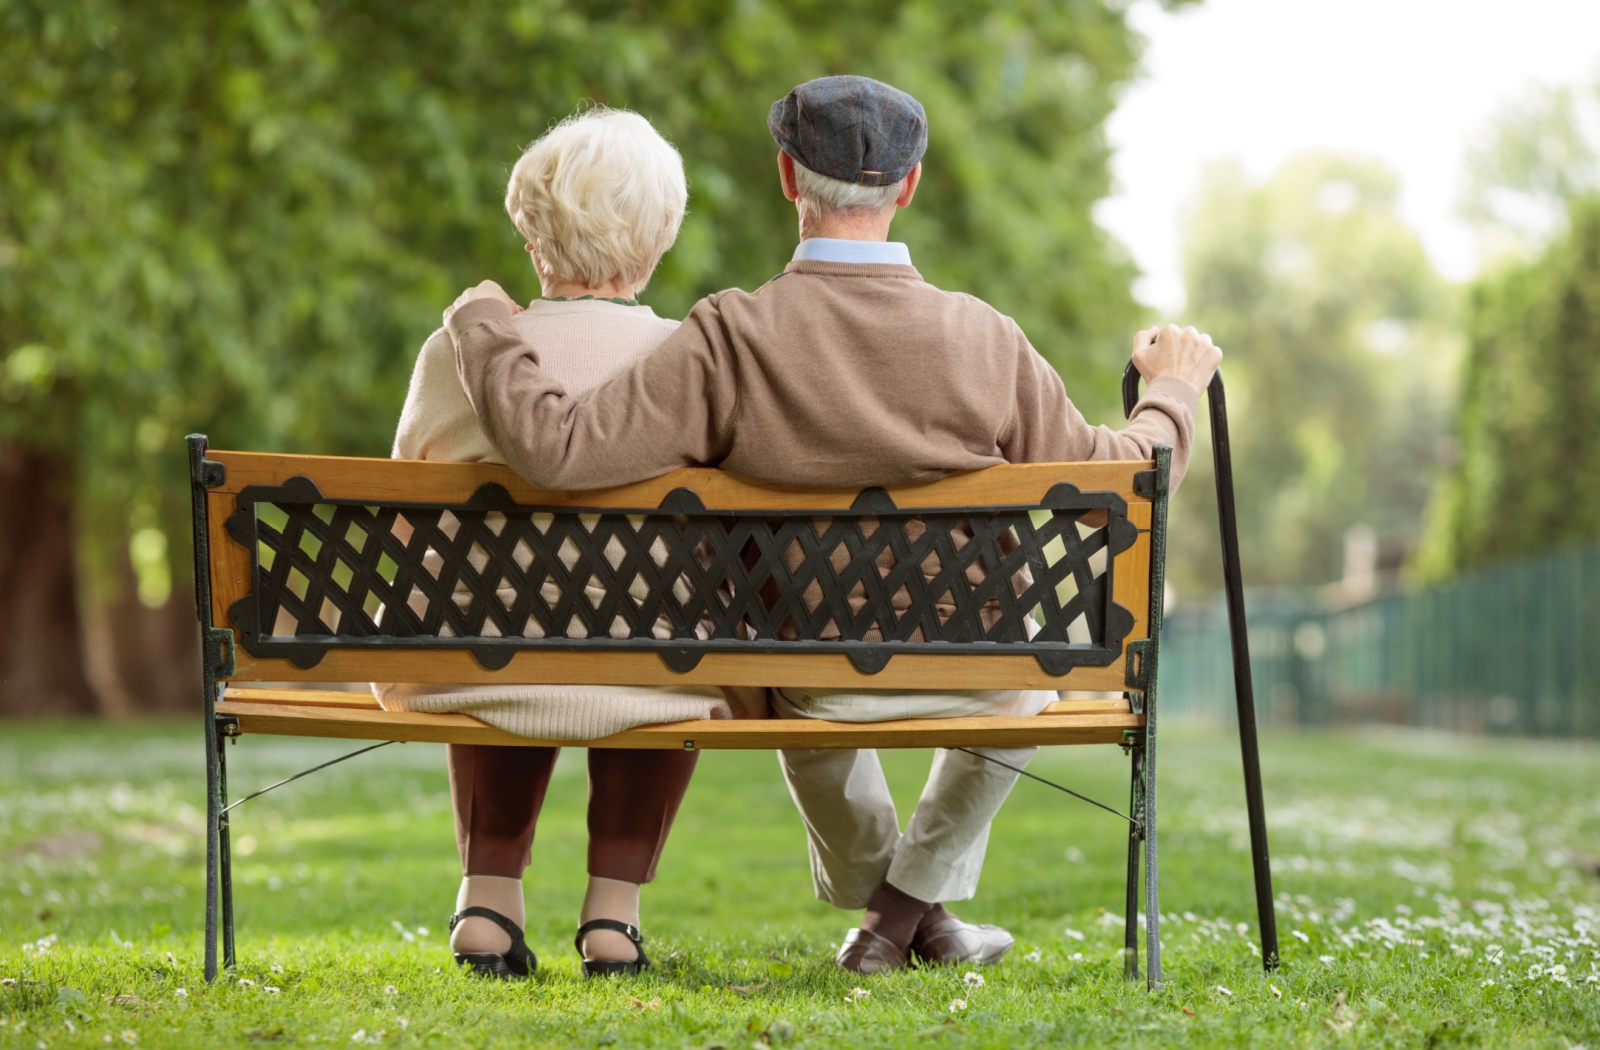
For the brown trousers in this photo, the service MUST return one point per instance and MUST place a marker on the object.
(633, 797)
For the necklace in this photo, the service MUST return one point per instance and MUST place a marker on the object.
(580, 298)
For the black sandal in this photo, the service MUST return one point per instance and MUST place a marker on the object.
(612, 967)
(518, 961)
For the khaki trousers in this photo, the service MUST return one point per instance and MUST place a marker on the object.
(852, 830)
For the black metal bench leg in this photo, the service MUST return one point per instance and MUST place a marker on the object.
(224, 854)
(214, 820)
(1130, 947)
(216, 662)
(1152, 866)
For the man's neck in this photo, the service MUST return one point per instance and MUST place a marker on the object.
(849, 226)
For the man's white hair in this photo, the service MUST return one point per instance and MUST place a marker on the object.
(820, 194)
(600, 196)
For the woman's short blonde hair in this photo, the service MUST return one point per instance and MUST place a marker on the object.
(599, 196)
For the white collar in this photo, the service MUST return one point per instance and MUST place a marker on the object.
(833, 249)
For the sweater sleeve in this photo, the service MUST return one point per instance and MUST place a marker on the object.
(437, 421)
(1048, 428)
(672, 409)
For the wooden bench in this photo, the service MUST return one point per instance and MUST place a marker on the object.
(334, 570)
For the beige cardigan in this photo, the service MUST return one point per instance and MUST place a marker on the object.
(585, 343)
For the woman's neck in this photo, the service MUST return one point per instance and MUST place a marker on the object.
(614, 289)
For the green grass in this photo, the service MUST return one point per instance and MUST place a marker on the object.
(1433, 892)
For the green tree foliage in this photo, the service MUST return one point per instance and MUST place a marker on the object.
(1540, 153)
(1531, 388)
(1529, 426)
(245, 218)
(1339, 347)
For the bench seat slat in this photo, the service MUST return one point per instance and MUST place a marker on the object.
(371, 723)
(907, 671)
(364, 699)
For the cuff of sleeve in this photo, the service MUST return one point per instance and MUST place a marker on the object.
(478, 311)
(1168, 386)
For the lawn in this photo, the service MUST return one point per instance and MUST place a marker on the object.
(1432, 892)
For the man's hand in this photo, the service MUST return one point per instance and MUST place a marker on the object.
(1179, 352)
(482, 290)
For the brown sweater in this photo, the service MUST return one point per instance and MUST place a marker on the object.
(832, 374)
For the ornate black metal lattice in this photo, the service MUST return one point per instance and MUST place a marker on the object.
(681, 580)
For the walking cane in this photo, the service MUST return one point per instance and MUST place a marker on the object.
(1228, 522)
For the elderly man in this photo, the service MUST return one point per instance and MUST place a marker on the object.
(845, 370)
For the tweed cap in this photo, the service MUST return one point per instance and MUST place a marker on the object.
(855, 129)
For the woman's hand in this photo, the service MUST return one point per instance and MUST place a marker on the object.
(481, 290)
(1172, 351)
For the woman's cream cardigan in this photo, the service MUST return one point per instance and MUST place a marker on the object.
(581, 344)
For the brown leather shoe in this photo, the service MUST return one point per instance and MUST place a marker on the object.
(865, 952)
(953, 941)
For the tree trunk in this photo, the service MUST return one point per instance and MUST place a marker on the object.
(142, 661)
(41, 647)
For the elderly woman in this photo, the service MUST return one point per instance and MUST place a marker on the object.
(598, 199)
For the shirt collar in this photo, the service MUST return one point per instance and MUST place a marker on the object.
(832, 249)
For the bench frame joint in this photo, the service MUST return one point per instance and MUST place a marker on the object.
(219, 653)
(207, 473)
(1137, 674)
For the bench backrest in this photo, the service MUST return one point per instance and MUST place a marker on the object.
(313, 568)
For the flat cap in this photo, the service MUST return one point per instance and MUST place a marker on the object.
(855, 129)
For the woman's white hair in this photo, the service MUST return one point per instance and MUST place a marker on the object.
(600, 196)
(820, 194)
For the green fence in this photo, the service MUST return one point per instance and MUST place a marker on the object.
(1514, 649)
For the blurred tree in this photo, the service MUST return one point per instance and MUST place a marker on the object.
(1529, 425)
(1536, 156)
(1340, 355)
(1531, 387)
(244, 218)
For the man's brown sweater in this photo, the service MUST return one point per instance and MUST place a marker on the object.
(832, 374)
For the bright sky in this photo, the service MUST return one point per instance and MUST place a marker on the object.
(1410, 81)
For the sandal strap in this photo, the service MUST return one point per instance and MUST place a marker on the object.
(592, 967)
(519, 947)
(486, 913)
(626, 929)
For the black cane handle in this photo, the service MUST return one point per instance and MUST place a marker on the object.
(1130, 389)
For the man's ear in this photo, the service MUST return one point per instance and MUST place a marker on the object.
(791, 188)
(909, 188)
